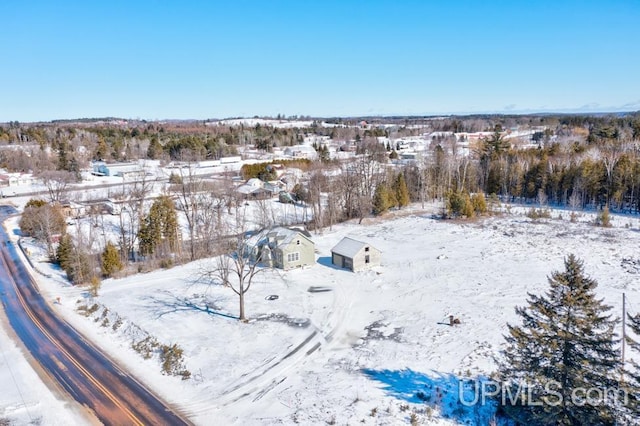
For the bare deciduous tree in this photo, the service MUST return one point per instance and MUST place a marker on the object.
(191, 200)
(238, 262)
(57, 183)
(131, 213)
(43, 221)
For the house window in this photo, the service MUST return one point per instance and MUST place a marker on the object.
(293, 257)
(366, 259)
(366, 249)
(298, 242)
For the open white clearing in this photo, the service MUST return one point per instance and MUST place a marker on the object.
(372, 349)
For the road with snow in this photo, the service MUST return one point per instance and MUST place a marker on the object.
(76, 365)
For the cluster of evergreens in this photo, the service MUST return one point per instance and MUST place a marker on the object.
(390, 194)
(266, 172)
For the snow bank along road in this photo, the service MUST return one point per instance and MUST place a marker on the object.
(84, 372)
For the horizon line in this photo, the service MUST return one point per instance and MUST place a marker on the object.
(301, 117)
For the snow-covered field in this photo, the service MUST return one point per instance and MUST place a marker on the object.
(374, 349)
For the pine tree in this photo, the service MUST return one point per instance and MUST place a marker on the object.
(155, 149)
(160, 225)
(73, 261)
(632, 376)
(566, 342)
(459, 204)
(64, 251)
(479, 203)
(604, 218)
(147, 238)
(324, 153)
(381, 199)
(401, 191)
(111, 262)
(94, 286)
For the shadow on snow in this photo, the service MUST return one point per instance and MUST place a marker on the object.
(170, 304)
(455, 398)
(326, 261)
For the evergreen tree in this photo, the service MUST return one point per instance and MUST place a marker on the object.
(111, 262)
(479, 203)
(159, 226)
(64, 251)
(102, 150)
(604, 218)
(382, 199)
(148, 238)
(459, 204)
(401, 191)
(73, 261)
(94, 286)
(566, 342)
(324, 153)
(633, 376)
(155, 149)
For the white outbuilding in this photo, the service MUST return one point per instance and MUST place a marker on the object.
(355, 255)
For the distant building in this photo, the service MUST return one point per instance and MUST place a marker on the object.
(355, 255)
(72, 209)
(17, 179)
(125, 170)
(301, 151)
(230, 160)
(284, 248)
(254, 188)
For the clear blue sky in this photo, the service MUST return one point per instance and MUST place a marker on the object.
(214, 59)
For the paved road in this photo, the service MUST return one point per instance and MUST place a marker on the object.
(82, 370)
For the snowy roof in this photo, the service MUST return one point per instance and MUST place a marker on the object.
(255, 182)
(348, 247)
(300, 148)
(280, 235)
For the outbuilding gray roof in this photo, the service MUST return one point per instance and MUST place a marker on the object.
(348, 247)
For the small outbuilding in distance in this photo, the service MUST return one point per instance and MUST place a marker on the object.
(355, 255)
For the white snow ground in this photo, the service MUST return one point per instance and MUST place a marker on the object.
(373, 349)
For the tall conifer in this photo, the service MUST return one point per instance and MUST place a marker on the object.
(566, 342)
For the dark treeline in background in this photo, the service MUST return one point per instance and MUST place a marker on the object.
(577, 161)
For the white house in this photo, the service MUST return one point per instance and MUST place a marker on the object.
(301, 151)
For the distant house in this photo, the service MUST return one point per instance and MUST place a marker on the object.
(285, 248)
(256, 189)
(355, 255)
(16, 179)
(301, 151)
(72, 209)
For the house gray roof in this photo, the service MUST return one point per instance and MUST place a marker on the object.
(348, 247)
(279, 236)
